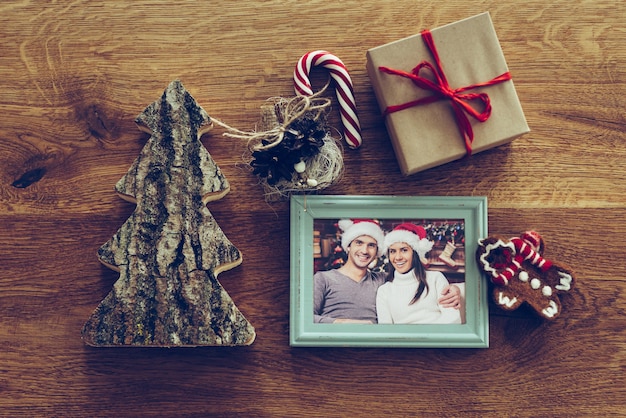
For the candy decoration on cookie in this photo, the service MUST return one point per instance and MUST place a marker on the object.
(524, 249)
(344, 89)
(520, 273)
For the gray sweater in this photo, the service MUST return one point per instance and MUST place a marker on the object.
(338, 296)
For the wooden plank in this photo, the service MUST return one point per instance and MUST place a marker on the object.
(74, 76)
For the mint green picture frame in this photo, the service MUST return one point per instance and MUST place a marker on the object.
(303, 332)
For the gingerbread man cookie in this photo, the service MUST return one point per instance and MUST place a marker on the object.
(520, 273)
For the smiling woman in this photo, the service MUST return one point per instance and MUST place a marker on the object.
(412, 294)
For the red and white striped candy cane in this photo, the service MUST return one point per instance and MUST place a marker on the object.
(344, 89)
(523, 252)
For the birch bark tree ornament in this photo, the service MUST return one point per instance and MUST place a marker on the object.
(520, 274)
(294, 151)
(171, 249)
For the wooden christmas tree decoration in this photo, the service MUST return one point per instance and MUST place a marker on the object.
(171, 249)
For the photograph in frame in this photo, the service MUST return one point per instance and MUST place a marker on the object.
(441, 232)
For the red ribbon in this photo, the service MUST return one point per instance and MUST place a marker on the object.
(460, 101)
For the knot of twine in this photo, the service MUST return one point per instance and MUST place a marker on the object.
(290, 110)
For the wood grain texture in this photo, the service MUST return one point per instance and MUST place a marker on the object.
(74, 75)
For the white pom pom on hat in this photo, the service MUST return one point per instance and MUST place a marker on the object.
(353, 229)
(413, 235)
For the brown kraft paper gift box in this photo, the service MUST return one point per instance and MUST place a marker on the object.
(427, 135)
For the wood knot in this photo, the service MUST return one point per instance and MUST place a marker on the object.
(98, 124)
(29, 177)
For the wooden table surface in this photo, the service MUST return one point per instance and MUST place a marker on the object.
(75, 74)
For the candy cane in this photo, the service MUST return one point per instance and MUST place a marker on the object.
(524, 252)
(344, 89)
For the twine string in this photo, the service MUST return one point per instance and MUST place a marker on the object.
(293, 109)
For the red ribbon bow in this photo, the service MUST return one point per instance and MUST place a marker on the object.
(461, 102)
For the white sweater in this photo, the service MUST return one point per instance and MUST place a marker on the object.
(392, 301)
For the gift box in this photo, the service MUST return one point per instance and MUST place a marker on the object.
(445, 93)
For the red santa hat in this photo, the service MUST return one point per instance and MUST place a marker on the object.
(354, 228)
(413, 235)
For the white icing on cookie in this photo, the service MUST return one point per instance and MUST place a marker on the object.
(505, 300)
(490, 247)
(566, 281)
(523, 276)
(551, 310)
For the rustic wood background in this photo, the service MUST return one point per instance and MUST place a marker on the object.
(73, 76)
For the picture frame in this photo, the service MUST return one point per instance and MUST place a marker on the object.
(307, 210)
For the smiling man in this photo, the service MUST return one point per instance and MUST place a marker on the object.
(348, 294)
